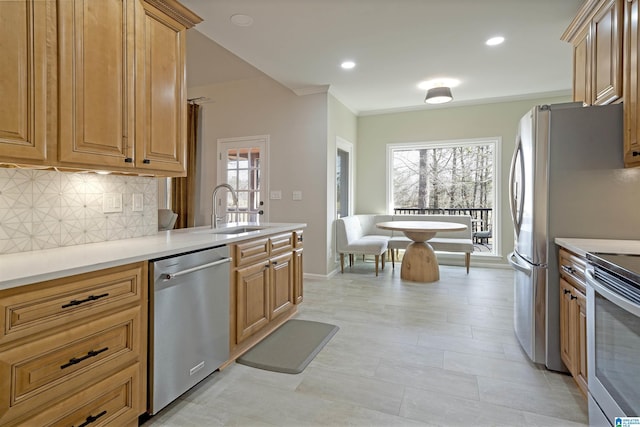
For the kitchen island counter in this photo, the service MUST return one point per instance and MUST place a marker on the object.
(23, 268)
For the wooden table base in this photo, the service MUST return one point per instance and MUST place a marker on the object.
(419, 263)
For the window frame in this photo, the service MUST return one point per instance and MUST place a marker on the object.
(496, 142)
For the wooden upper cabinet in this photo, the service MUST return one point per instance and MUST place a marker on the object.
(96, 76)
(596, 35)
(161, 111)
(606, 72)
(631, 87)
(582, 68)
(23, 74)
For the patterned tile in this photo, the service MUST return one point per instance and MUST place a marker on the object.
(42, 209)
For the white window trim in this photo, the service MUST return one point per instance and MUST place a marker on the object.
(496, 141)
(344, 145)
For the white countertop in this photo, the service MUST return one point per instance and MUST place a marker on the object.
(30, 267)
(582, 246)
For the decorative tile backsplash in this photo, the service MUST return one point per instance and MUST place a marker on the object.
(47, 209)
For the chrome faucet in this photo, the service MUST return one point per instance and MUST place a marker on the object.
(214, 216)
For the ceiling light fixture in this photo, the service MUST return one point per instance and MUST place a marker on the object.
(494, 41)
(438, 95)
(347, 65)
(241, 20)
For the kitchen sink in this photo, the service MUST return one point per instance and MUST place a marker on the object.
(231, 230)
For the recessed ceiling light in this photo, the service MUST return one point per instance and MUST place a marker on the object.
(347, 65)
(440, 82)
(494, 41)
(241, 20)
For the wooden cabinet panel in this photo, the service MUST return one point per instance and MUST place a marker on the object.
(606, 71)
(45, 306)
(280, 243)
(49, 369)
(161, 111)
(573, 320)
(582, 68)
(631, 86)
(23, 81)
(113, 401)
(298, 276)
(252, 299)
(281, 282)
(251, 252)
(96, 80)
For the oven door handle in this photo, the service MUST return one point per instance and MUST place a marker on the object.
(614, 297)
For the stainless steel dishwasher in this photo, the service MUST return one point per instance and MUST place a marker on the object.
(188, 321)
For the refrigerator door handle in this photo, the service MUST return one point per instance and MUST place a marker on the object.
(516, 201)
(513, 260)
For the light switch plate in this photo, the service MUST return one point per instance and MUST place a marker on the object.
(137, 202)
(297, 195)
(275, 195)
(111, 202)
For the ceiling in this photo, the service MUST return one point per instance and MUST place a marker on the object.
(396, 44)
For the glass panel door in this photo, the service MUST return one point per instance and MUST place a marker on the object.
(243, 166)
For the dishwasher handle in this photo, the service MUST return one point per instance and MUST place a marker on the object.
(170, 276)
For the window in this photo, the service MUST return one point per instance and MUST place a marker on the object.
(450, 178)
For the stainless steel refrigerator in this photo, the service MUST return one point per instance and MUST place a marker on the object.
(566, 180)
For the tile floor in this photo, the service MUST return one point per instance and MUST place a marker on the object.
(440, 354)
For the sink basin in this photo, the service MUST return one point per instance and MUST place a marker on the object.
(231, 230)
(236, 230)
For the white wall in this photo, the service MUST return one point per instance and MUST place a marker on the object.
(297, 127)
(451, 123)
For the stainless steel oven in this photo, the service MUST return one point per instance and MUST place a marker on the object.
(613, 337)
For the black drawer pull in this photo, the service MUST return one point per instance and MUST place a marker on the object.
(574, 297)
(82, 301)
(568, 269)
(91, 419)
(76, 360)
(635, 153)
(567, 291)
(146, 161)
(128, 160)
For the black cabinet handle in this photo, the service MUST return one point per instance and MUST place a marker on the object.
(146, 161)
(635, 153)
(76, 360)
(568, 269)
(574, 297)
(128, 160)
(82, 301)
(274, 262)
(92, 418)
(567, 291)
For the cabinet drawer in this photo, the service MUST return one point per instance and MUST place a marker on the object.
(252, 251)
(45, 370)
(44, 306)
(114, 401)
(281, 243)
(572, 269)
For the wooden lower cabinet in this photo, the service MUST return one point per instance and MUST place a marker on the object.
(265, 288)
(573, 317)
(74, 349)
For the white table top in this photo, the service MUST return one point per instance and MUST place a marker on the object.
(427, 226)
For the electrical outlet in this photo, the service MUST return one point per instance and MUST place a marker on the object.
(111, 202)
(137, 202)
(275, 195)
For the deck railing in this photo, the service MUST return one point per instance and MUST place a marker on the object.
(481, 219)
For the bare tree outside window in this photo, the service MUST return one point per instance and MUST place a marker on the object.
(447, 179)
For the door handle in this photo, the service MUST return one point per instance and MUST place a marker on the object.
(170, 276)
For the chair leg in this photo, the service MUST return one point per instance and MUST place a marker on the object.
(377, 259)
(393, 259)
(350, 260)
(342, 263)
(383, 257)
(467, 260)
